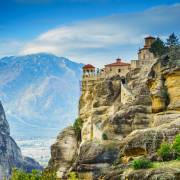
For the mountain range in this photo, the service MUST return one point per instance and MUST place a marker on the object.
(40, 93)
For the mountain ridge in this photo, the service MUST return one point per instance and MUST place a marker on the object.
(11, 155)
(25, 79)
(40, 94)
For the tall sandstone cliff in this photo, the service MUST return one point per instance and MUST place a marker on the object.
(123, 118)
(10, 153)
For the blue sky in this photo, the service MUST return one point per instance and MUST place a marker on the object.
(94, 31)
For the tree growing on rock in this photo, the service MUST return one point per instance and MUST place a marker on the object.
(172, 40)
(158, 47)
(77, 128)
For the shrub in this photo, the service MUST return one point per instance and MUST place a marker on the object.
(34, 175)
(77, 127)
(21, 175)
(48, 175)
(165, 151)
(142, 164)
(104, 136)
(72, 176)
(176, 146)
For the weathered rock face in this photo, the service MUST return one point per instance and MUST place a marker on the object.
(97, 104)
(4, 126)
(164, 85)
(10, 154)
(63, 152)
(147, 141)
(109, 106)
(123, 121)
(95, 156)
(151, 174)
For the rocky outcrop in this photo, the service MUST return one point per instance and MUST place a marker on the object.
(151, 174)
(164, 85)
(63, 152)
(124, 119)
(94, 156)
(10, 153)
(114, 107)
(147, 141)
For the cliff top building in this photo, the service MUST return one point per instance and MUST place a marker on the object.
(117, 67)
(145, 57)
(88, 70)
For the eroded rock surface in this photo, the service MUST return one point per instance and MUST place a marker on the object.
(10, 153)
(124, 120)
(63, 152)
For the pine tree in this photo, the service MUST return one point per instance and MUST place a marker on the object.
(172, 40)
(158, 47)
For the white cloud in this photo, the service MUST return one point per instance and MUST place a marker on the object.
(10, 47)
(100, 40)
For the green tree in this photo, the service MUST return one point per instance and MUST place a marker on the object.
(165, 151)
(158, 47)
(77, 127)
(172, 40)
(176, 146)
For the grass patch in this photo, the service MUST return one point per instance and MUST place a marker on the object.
(167, 164)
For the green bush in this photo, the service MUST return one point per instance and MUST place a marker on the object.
(72, 176)
(77, 127)
(34, 175)
(176, 146)
(104, 136)
(141, 164)
(165, 151)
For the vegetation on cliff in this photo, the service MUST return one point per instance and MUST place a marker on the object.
(170, 151)
(34, 175)
(77, 128)
(142, 164)
(138, 134)
(165, 151)
(159, 48)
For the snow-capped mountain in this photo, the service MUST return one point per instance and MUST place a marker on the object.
(40, 93)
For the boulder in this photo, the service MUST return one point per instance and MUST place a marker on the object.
(63, 152)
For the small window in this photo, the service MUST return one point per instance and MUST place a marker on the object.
(119, 70)
(110, 69)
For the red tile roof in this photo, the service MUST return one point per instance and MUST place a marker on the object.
(118, 63)
(88, 66)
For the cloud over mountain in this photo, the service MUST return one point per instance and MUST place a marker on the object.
(100, 40)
